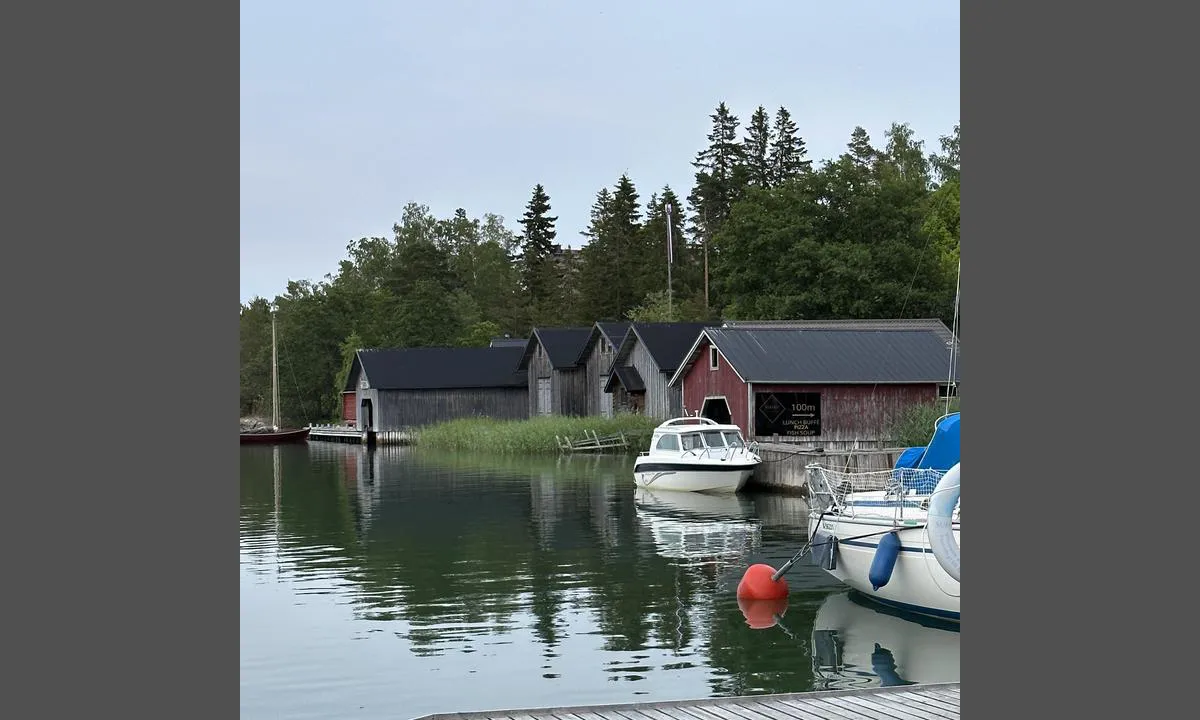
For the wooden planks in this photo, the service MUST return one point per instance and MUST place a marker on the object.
(907, 702)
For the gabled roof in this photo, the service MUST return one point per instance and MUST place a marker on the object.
(507, 341)
(667, 343)
(439, 368)
(614, 332)
(831, 354)
(629, 378)
(562, 346)
(877, 324)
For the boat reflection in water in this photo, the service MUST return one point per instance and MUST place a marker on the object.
(857, 643)
(698, 528)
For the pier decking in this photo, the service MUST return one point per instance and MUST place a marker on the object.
(347, 434)
(906, 702)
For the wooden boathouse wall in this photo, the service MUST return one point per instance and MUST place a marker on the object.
(554, 391)
(596, 367)
(852, 415)
(702, 383)
(662, 402)
(403, 409)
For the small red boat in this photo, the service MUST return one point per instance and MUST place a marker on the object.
(273, 438)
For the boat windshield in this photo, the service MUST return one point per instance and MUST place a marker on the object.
(733, 438)
(691, 441)
(714, 439)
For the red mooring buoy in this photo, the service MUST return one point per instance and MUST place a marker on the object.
(762, 614)
(757, 584)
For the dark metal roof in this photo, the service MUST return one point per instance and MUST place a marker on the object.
(667, 343)
(614, 332)
(628, 376)
(508, 342)
(562, 346)
(441, 368)
(827, 355)
(933, 324)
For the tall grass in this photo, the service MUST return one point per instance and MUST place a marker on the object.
(913, 426)
(535, 435)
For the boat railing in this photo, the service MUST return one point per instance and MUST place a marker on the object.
(828, 487)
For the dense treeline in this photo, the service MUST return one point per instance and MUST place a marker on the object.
(765, 233)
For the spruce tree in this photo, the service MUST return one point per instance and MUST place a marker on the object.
(537, 250)
(756, 149)
(788, 156)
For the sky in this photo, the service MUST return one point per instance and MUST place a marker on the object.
(351, 110)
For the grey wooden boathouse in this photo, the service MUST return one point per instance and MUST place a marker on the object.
(555, 379)
(596, 357)
(402, 388)
(639, 378)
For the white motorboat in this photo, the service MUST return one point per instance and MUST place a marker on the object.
(696, 454)
(893, 535)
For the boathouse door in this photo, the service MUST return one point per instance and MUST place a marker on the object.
(366, 417)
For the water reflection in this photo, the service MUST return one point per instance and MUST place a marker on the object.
(396, 574)
(698, 528)
(858, 643)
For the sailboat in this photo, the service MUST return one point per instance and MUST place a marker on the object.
(274, 435)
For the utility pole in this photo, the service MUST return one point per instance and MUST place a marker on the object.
(706, 234)
(670, 261)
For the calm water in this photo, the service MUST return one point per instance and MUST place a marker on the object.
(404, 582)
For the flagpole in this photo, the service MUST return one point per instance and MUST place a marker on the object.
(670, 259)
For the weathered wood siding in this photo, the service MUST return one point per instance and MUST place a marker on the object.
(597, 364)
(700, 383)
(851, 415)
(400, 409)
(855, 413)
(539, 367)
(569, 390)
(662, 402)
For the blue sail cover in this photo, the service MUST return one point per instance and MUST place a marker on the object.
(943, 451)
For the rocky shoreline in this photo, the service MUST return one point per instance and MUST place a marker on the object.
(253, 425)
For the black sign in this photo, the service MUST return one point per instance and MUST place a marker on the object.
(790, 414)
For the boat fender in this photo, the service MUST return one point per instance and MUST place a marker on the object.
(885, 560)
(940, 522)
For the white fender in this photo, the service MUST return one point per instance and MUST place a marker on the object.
(940, 524)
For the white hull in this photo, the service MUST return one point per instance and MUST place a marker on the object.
(706, 481)
(918, 583)
(858, 645)
(695, 454)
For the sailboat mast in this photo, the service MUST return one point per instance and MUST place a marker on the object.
(274, 377)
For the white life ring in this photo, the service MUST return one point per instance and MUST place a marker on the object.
(940, 523)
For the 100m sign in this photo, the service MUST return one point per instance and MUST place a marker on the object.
(790, 414)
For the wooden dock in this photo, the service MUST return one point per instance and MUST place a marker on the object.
(591, 442)
(347, 434)
(905, 702)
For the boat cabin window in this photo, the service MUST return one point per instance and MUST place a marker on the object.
(733, 439)
(668, 442)
(692, 441)
(714, 439)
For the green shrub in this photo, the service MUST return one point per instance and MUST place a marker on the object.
(913, 426)
(536, 435)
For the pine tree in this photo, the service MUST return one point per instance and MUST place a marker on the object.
(861, 151)
(720, 174)
(537, 246)
(787, 158)
(756, 148)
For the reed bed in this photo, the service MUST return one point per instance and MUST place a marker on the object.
(913, 426)
(532, 436)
